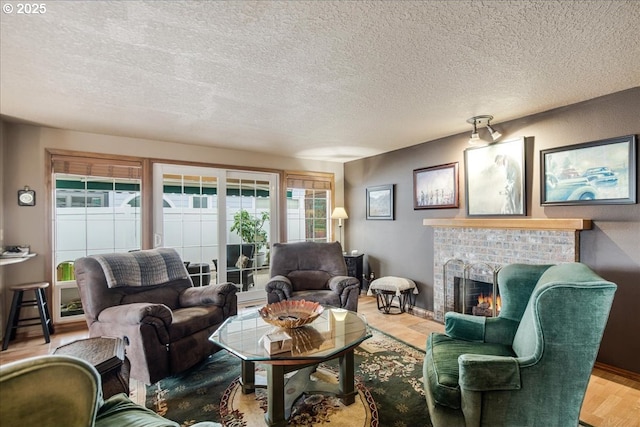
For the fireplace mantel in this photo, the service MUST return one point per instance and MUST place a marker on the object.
(573, 224)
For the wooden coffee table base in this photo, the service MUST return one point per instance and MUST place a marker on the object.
(282, 393)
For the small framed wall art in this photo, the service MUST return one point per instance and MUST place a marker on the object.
(597, 172)
(380, 202)
(436, 187)
(495, 179)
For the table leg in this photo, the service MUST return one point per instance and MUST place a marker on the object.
(280, 400)
(384, 300)
(275, 416)
(347, 393)
(248, 377)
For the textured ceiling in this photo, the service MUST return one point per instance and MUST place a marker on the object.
(331, 80)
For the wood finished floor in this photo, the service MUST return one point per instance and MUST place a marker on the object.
(612, 400)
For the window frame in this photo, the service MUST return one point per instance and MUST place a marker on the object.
(317, 180)
(308, 181)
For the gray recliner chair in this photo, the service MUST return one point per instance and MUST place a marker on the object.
(311, 271)
(147, 298)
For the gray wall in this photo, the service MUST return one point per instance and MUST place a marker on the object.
(404, 247)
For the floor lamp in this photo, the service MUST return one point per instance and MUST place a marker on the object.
(340, 214)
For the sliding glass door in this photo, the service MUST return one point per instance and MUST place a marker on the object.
(186, 217)
(221, 222)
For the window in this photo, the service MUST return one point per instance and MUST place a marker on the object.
(308, 207)
(199, 202)
(91, 215)
(80, 199)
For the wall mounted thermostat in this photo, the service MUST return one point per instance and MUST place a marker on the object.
(26, 197)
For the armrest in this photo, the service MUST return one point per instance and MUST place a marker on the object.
(339, 284)
(464, 326)
(495, 330)
(119, 410)
(215, 294)
(479, 372)
(280, 285)
(134, 314)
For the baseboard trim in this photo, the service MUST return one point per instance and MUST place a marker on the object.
(422, 313)
(36, 331)
(618, 371)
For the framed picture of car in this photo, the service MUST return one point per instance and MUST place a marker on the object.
(597, 172)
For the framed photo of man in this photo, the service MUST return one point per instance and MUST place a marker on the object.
(495, 179)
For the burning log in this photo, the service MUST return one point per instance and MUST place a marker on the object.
(482, 309)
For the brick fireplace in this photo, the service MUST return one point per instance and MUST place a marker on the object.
(477, 247)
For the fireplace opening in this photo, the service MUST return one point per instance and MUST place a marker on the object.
(475, 297)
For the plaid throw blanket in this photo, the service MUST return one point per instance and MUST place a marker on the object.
(142, 268)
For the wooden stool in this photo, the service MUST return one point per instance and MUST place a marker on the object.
(14, 322)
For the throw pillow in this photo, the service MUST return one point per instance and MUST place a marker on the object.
(242, 261)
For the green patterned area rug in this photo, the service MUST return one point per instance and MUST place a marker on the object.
(388, 380)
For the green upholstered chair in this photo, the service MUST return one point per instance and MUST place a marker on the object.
(529, 366)
(66, 391)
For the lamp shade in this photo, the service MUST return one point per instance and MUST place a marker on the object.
(339, 213)
(495, 135)
(475, 139)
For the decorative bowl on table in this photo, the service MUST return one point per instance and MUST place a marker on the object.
(291, 314)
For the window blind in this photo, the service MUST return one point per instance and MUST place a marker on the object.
(96, 167)
(310, 182)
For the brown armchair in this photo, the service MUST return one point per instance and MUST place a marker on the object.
(147, 298)
(311, 271)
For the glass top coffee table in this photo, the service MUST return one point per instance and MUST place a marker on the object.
(324, 339)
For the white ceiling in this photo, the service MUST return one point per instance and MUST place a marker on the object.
(331, 80)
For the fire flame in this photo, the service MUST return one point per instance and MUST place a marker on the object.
(488, 301)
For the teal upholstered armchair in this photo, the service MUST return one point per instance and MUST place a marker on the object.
(530, 366)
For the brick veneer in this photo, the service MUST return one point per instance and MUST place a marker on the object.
(495, 247)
